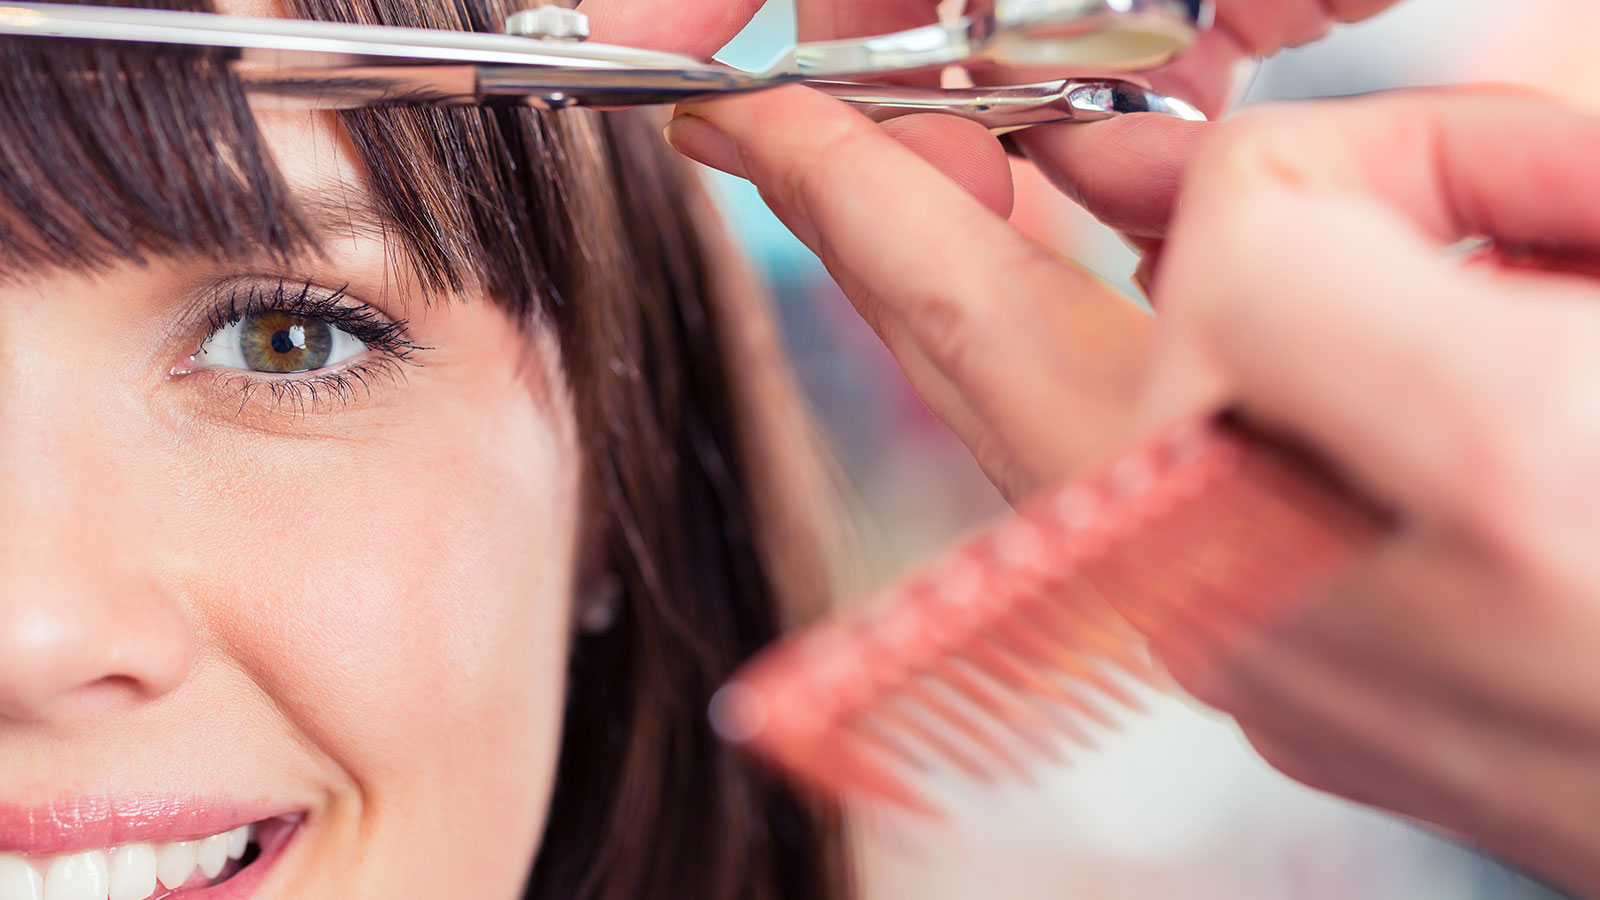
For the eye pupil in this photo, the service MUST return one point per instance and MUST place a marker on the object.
(282, 342)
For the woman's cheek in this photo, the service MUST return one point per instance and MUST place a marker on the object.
(403, 603)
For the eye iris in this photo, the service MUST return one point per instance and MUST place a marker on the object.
(282, 342)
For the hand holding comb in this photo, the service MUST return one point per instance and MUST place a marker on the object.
(995, 654)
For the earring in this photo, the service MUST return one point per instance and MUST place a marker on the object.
(599, 604)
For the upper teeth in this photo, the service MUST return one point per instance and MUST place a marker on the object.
(128, 872)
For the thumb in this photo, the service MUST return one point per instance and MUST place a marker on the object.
(1309, 279)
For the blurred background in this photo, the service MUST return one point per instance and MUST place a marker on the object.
(1178, 807)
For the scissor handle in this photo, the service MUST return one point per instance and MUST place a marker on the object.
(1102, 35)
(1012, 108)
(1121, 35)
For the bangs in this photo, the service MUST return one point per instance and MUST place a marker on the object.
(113, 153)
(506, 197)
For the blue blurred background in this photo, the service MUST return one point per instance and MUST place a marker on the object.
(1178, 807)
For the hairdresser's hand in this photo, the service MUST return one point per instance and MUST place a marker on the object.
(1307, 279)
(1033, 362)
(1125, 171)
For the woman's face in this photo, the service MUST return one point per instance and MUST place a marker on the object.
(332, 601)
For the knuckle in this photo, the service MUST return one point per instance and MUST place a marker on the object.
(1000, 464)
(1268, 143)
(1294, 762)
(1532, 478)
(1503, 477)
(944, 329)
(960, 328)
(803, 187)
(1201, 679)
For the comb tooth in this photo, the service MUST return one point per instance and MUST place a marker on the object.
(1154, 605)
(893, 716)
(1075, 664)
(794, 708)
(1254, 501)
(870, 730)
(842, 769)
(1147, 493)
(904, 634)
(1078, 620)
(773, 716)
(1157, 586)
(1073, 610)
(1057, 619)
(969, 589)
(1027, 723)
(908, 639)
(1149, 587)
(1238, 591)
(1245, 589)
(1021, 557)
(928, 698)
(1005, 669)
(1032, 575)
(1009, 558)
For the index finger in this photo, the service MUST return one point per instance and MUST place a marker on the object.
(1127, 171)
(822, 20)
(1048, 355)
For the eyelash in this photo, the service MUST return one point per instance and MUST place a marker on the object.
(390, 345)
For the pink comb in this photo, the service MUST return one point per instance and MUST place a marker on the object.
(992, 656)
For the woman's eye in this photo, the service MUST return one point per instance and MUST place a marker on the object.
(278, 342)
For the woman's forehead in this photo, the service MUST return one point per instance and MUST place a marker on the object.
(269, 8)
(314, 155)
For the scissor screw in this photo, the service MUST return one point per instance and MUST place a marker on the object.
(549, 23)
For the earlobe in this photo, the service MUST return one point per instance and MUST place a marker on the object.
(599, 602)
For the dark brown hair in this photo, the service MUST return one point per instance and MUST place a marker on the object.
(579, 222)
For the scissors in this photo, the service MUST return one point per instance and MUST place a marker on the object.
(545, 60)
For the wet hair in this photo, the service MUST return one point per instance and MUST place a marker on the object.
(578, 222)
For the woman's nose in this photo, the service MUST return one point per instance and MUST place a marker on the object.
(80, 632)
(88, 623)
(77, 638)
(85, 624)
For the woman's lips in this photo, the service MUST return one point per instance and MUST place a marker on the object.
(94, 848)
(226, 866)
(86, 824)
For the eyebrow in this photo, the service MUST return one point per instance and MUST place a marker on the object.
(338, 209)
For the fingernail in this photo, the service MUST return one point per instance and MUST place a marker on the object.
(705, 143)
(1141, 283)
(1144, 277)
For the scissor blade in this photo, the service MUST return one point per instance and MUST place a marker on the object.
(541, 87)
(297, 43)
